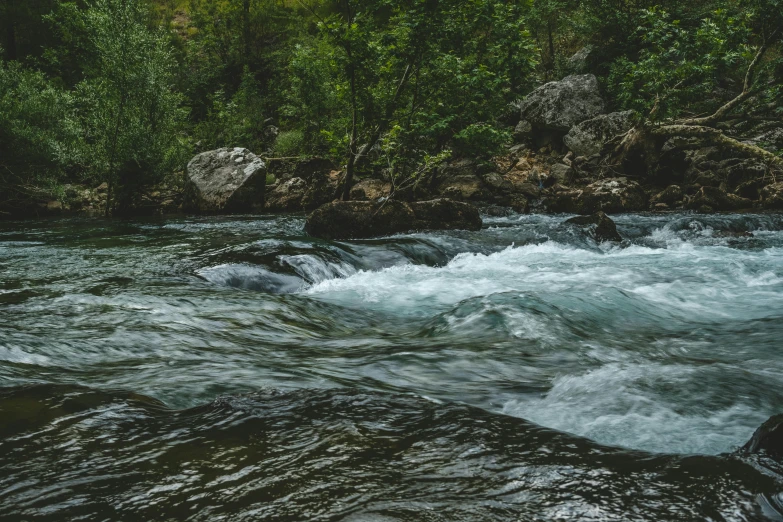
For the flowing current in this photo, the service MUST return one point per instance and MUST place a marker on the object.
(237, 369)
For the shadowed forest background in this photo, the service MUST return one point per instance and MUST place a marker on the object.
(127, 91)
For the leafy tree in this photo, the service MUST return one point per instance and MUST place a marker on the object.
(130, 112)
(236, 121)
(23, 29)
(424, 71)
(681, 64)
(689, 64)
(39, 133)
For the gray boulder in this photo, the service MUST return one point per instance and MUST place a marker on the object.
(561, 173)
(523, 131)
(225, 180)
(671, 195)
(363, 219)
(461, 180)
(580, 61)
(370, 190)
(588, 137)
(561, 105)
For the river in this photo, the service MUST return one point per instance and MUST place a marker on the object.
(232, 368)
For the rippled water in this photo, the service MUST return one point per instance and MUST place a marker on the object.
(236, 368)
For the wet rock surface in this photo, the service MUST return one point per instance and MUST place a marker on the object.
(598, 226)
(772, 196)
(362, 219)
(767, 439)
(302, 185)
(709, 199)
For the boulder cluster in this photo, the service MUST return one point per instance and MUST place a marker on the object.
(560, 162)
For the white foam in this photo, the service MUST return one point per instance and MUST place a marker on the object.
(614, 405)
(314, 269)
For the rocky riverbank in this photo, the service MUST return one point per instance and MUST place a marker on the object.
(564, 160)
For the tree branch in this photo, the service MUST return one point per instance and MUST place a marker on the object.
(747, 91)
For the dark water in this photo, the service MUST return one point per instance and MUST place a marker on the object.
(235, 369)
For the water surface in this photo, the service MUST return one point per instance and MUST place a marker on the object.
(234, 367)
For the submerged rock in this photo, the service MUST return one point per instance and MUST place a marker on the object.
(561, 105)
(225, 180)
(362, 219)
(598, 226)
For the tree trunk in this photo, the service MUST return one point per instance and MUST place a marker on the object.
(352, 152)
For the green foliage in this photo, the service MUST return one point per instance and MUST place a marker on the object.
(482, 141)
(416, 75)
(125, 90)
(680, 65)
(237, 121)
(317, 99)
(130, 113)
(289, 143)
(39, 135)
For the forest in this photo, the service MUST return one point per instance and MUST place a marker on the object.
(125, 92)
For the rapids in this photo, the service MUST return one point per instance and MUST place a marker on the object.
(233, 367)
